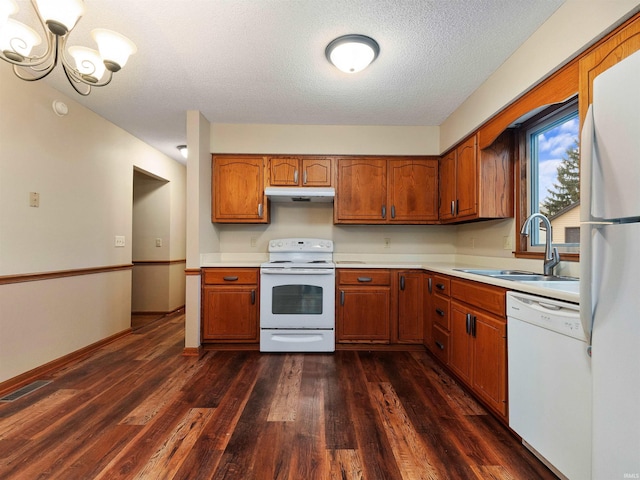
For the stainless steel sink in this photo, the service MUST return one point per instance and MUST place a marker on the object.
(517, 275)
(535, 278)
(493, 272)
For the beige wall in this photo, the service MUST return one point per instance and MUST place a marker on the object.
(82, 166)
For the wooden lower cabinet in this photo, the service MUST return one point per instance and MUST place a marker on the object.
(230, 302)
(363, 306)
(469, 335)
(409, 306)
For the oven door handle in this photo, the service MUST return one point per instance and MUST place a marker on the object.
(306, 271)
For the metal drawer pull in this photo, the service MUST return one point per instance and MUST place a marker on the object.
(364, 279)
(430, 283)
(341, 297)
(260, 210)
(384, 211)
(402, 282)
(473, 326)
(230, 279)
(439, 345)
(393, 211)
(440, 286)
(304, 181)
(468, 325)
(453, 208)
(295, 176)
(440, 312)
(253, 297)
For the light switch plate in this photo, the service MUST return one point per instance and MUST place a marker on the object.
(119, 242)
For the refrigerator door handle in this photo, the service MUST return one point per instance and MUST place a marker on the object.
(586, 229)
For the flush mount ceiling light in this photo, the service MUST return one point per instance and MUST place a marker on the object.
(352, 53)
(85, 69)
(183, 150)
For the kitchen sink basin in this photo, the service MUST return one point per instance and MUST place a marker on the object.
(493, 272)
(517, 275)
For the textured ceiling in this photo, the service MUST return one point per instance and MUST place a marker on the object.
(262, 61)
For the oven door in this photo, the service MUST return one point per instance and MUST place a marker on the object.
(297, 298)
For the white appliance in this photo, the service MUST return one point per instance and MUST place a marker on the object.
(610, 266)
(297, 299)
(550, 382)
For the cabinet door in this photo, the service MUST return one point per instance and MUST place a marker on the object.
(361, 191)
(490, 360)
(316, 172)
(363, 315)
(427, 299)
(284, 171)
(460, 342)
(410, 307)
(447, 186)
(238, 190)
(413, 190)
(230, 313)
(466, 179)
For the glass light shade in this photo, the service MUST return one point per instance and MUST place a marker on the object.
(88, 62)
(17, 37)
(64, 12)
(183, 150)
(115, 49)
(7, 7)
(352, 53)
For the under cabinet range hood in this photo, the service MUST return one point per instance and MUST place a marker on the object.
(300, 194)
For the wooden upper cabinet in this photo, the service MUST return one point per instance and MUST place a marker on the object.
(361, 190)
(303, 172)
(238, 189)
(413, 185)
(477, 184)
(386, 190)
(619, 46)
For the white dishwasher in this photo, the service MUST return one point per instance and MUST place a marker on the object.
(550, 382)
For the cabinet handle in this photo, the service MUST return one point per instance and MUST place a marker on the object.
(440, 312)
(453, 208)
(440, 286)
(439, 345)
(253, 297)
(402, 282)
(473, 326)
(468, 325)
(295, 176)
(342, 297)
(364, 279)
(384, 211)
(304, 178)
(430, 284)
(393, 211)
(230, 279)
(260, 210)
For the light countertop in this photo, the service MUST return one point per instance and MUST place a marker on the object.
(445, 264)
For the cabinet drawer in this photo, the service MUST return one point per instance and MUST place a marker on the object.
(487, 297)
(364, 277)
(441, 285)
(230, 276)
(440, 312)
(440, 346)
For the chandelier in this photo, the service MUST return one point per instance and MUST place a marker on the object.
(85, 69)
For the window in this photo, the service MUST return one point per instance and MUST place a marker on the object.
(551, 183)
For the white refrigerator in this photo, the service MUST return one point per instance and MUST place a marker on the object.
(610, 267)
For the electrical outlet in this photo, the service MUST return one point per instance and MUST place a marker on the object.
(34, 199)
(119, 242)
(387, 243)
(472, 242)
(158, 242)
(507, 242)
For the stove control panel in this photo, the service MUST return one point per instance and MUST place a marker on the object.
(300, 245)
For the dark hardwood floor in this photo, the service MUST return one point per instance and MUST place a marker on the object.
(138, 409)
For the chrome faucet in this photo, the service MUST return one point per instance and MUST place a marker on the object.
(551, 256)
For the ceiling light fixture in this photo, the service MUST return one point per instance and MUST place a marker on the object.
(88, 68)
(183, 150)
(352, 53)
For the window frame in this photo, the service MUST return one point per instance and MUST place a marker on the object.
(537, 119)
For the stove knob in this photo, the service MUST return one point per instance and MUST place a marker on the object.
(279, 244)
